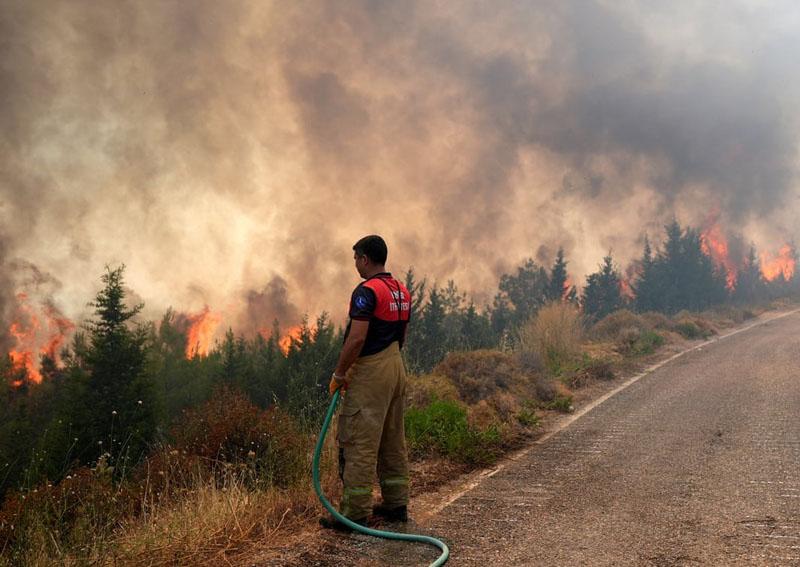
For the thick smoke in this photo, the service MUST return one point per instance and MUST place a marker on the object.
(6, 295)
(265, 306)
(210, 146)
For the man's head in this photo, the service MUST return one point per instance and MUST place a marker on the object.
(370, 254)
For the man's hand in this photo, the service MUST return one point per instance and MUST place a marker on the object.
(336, 383)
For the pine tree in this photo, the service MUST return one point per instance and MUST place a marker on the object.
(476, 329)
(122, 420)
(557, 286)
(645, 288)
(602, 295)
(429, 347)
(749, 282)
(526, 291)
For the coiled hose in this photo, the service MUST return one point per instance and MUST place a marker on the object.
(358, 527)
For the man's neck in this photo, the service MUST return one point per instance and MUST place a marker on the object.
(375, 271)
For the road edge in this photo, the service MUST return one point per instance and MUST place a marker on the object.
(572, 418)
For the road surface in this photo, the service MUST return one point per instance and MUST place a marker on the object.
(696, 463)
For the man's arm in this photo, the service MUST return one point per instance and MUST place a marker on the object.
(352, 346)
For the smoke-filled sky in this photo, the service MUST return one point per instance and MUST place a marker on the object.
(230, 153)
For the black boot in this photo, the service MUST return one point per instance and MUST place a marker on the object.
(396, 514)
(331, 523)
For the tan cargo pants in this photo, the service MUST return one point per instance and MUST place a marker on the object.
(371, 432)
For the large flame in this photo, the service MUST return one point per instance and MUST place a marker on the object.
(715, 246)
(292, 335)
(33, 338)
(200, 334)
(782, 264)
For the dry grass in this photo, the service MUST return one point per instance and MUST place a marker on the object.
(555, 334)
(423, 389)
(237, 479)
(213, 525)
(217, 520)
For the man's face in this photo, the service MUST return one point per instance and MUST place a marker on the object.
(361, 263)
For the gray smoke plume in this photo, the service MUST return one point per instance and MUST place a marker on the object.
(264, 307)
(210, 146)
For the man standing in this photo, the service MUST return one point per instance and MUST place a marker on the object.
(371, 431)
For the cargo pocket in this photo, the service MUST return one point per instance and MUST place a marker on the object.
(348, 417)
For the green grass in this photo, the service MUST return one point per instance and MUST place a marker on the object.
(442, 427)
(560, 403)
(689, 330)
(647, 343)
(527, 415)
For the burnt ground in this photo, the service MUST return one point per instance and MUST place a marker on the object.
(695, 463)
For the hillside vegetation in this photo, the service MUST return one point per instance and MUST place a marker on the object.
(131, 452)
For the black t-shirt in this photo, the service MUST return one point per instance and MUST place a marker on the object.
(385, 303)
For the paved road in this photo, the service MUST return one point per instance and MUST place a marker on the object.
(697, 463)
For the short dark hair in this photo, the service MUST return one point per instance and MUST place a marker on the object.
(373, 247)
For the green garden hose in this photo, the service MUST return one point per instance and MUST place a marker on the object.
(358, 527)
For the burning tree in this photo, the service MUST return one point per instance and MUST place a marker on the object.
(680, 276)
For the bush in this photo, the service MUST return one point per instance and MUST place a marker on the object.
(614, 325)
(685, 318)
(656, 320)
(554, 333)
(634, 342)
(480, 374)
(560, 403)
(443, 427)
(421, 390)
(527, 415)
(229, 430)
(648, 342)
(545, 389)
(600, 369)
(689, 330)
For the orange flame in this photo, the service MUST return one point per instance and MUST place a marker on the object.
(781, 265)
(291, 336)
(715, 246)
(31, 338)
(567, 288)
(202, 327)
(625, 289)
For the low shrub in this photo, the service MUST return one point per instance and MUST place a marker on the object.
(443, 427)
(560, 403)
(265, 445)
(600, 369)
(633, 341)
(527, 416)
(614, 325)
(706, 327)
(647, 343)
(587, 370)
(421, 390)
(555, 334)
(530, 361)
(479, 374)
(688, 330)
(545, 389)
(656, 320)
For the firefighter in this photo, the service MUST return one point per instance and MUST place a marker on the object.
(371, 433)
